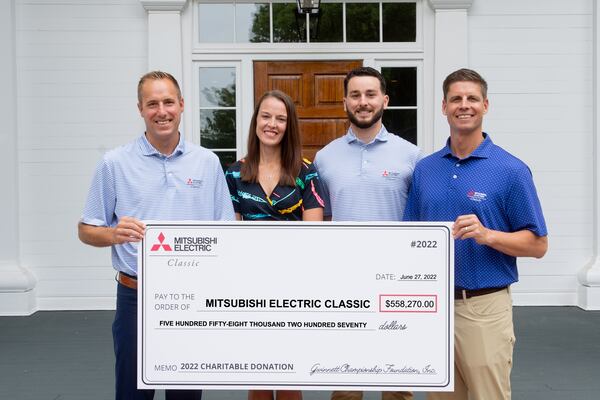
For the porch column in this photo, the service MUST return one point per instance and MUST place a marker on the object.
(589, 275)
(17, 283)
(450, 54)
(164, 36)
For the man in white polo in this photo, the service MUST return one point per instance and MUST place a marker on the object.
(366, 174)
(149, 179)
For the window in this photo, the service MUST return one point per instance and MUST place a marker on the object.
(328, 25)
(218, 111)
(231, 35)
(279, 22)
(400, 117)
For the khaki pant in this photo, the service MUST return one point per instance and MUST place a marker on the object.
(359, 396)
(483, 348)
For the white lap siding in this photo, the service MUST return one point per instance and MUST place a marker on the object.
(78, 62)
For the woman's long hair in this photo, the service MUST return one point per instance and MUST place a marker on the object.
(291, 145)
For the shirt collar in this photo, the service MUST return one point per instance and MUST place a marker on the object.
(382, 136)
(149, 150)
(482, 151)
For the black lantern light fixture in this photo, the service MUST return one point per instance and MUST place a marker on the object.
(308, 6)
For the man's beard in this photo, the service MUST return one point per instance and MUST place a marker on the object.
(365, 124)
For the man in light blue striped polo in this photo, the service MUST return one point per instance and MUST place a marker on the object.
(158, 176)
(366, 174)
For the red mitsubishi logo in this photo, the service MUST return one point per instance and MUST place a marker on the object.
(157, 246)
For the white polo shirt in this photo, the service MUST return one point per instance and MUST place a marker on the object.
(136, 180)
(367, 181)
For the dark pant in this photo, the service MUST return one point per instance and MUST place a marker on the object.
(125, 341)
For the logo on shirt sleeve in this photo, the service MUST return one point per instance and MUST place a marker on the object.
(476, 196)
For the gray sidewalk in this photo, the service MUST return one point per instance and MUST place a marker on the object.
(68, 356)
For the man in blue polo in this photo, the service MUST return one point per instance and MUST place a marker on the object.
(490, 196)
(158, 176)
(366, 174)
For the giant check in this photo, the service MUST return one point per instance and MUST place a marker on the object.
(327, 306)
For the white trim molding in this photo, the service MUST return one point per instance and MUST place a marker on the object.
(589, 275)
(451, 4)
(17, 283)
(450, 53)
(17, 290)
(163, 5)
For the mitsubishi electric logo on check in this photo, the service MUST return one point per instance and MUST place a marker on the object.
(203, 244)
(194, 243)
(161, 244)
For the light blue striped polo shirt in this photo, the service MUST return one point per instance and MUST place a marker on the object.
(367, 181)
(135, 180)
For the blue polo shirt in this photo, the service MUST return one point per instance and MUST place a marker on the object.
(490, 183)
(366, 181)
(136, 180)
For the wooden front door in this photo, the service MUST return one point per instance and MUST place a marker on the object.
(317, 88)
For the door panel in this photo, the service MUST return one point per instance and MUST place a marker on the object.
(317, 89)
(329, 89)
(289, 84)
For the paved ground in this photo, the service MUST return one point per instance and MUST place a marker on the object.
(68, 356)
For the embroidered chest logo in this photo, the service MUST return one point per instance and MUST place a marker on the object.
(195, 183)
(157, 246)
(476, 196)
(390, 174)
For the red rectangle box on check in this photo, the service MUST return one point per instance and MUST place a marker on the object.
(416, 303)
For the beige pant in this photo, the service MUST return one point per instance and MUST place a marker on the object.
(483, 348)
(359, 395)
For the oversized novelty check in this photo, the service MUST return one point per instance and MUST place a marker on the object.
(321, 306)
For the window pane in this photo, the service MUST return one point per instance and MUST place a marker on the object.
(399, 22)
(252, 23)
(217, 129)
(327, 25)
(402, 123)
(215, 22)
(401, 85)
(217, 87)
(362, 22)
(288, 26)
(227, 158)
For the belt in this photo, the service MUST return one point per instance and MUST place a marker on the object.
(458, 293)
(127, 280)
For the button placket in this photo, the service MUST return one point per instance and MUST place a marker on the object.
(364, 162)
(455, 173)
(170, 177)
